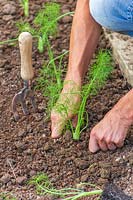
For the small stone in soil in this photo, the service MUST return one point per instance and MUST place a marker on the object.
(21, 133)
(67, 19)
(20, 146)
(81, 164)
(5, 178)
(84, 178)
(7, 17)
(20, 180)
(105, 173)
(9, 9)
(92, 169)
(2, 63)
(32, 173)
(47, 147)
(102, 181)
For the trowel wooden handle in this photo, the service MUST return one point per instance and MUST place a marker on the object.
(25, 45)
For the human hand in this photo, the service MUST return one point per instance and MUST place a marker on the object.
(109, 133)
(66, 108)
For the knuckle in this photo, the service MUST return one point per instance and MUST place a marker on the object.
(93, 133)
(108, 140)
(100, 138)
(118, 142)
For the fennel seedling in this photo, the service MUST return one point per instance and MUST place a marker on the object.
(99, 73)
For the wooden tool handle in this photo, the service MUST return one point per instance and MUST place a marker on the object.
(25, 45)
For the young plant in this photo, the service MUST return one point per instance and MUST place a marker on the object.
(10, 41)
(49, 81)
(99, 73)
(25, 5)
(45, 24)
(44, 187)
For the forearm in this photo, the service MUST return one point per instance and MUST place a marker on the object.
(125, 107)
(84, 38)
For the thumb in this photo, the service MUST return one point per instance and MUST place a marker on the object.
(93, 144)
(57, 126)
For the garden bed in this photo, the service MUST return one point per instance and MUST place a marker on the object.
(26, 146)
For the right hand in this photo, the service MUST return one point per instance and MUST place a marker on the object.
(66, 108)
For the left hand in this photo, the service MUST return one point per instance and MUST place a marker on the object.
(109, 133)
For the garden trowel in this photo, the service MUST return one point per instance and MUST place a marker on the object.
(27, 73)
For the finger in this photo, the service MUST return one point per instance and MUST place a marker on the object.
(119, 140)
(74, 121)
(111, 146)
(120, 144)
(57, 126)
(93, 145)
(102, 145)
(57, 129)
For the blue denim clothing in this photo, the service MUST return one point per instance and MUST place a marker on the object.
(116, 15)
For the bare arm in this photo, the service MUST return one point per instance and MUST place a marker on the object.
(125, 107)
(84, 38)
(111, 132)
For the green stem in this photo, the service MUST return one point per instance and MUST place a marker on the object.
(8, 41)
(99, 74)
(77, 132)
(85, 194)
(26, 8)
(25, 5)
(58, 57)
(55, 192)
(57, 19)
(51, 57)
(65, 192)
(63, 15)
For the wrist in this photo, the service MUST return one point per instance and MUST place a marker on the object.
(75, 77)
(125, 107)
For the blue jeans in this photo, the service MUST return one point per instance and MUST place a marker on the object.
(116, 15)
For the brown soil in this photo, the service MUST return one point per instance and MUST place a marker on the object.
(26, 146)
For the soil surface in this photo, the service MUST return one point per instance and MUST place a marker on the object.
(26, 147)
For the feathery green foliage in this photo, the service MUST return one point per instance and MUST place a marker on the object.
(40, 181)
(45, 24)
(44, 187)
(46, 19)
(25, 27)
(25, 5)
(99, 73)
(49, 80)
(51, 85)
